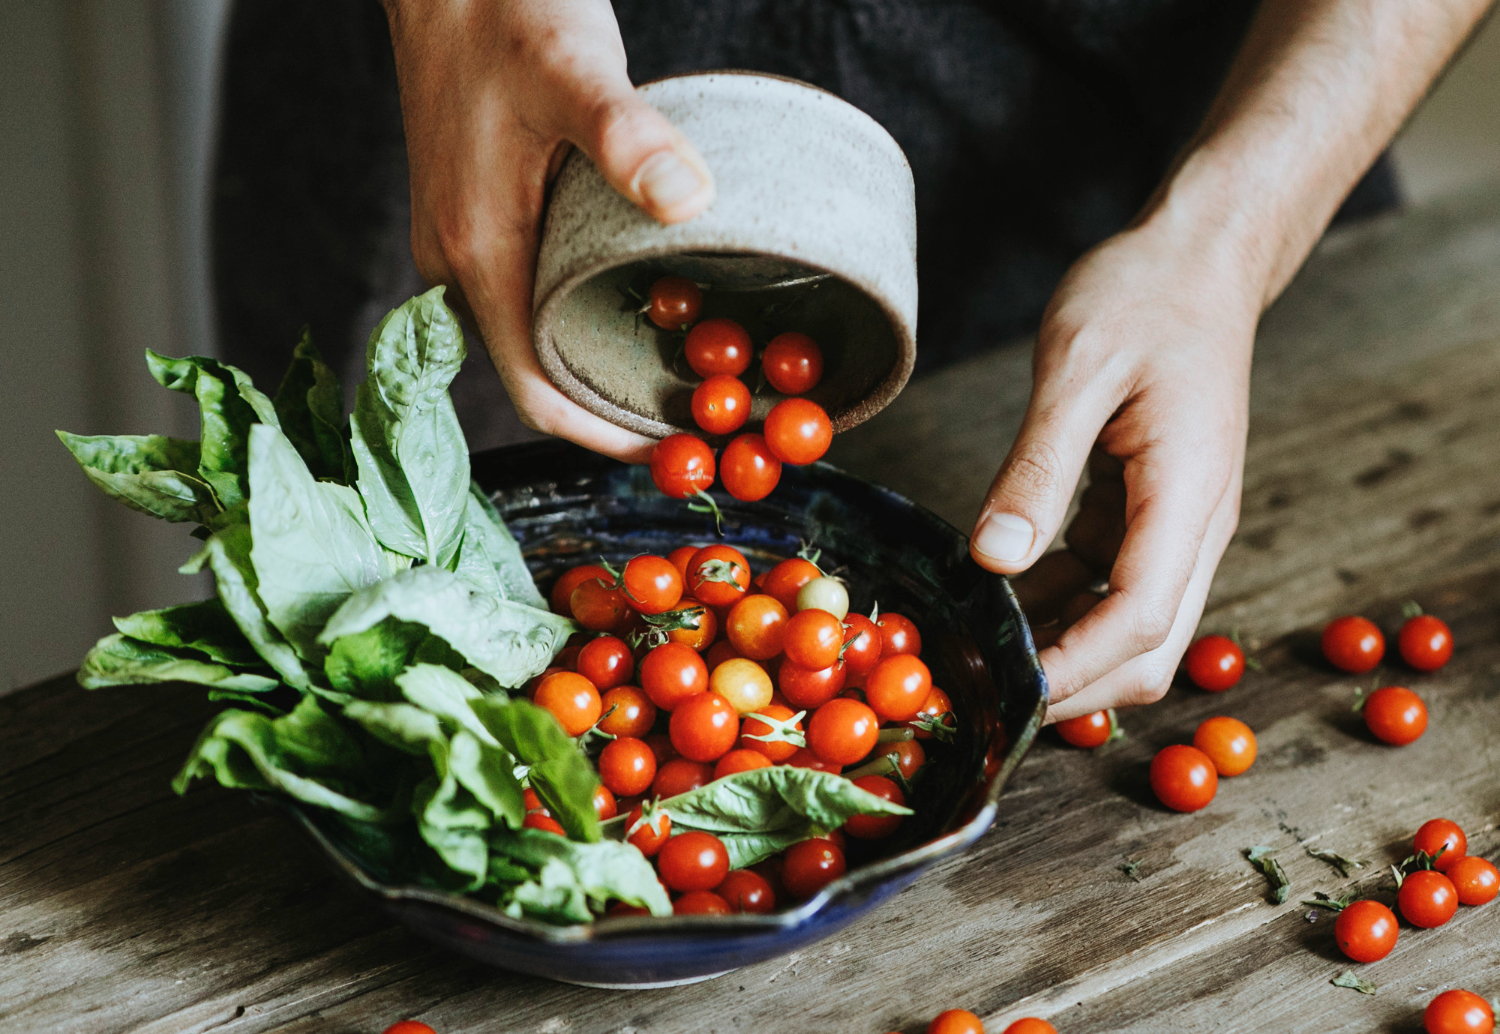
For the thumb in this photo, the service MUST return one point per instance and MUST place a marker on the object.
(1030, 496)
(639, 152)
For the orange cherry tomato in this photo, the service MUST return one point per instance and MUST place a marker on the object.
(572, 578)
(756, 626)
(718, 576)
(1229, 744)
(775, 750)
(671, 673)
(652, 584)
(740, 760)
(1476, 880)
(798, 431)
(743, 683)
(898, 687)
(1458, 1012)
(842, 731)
(955, 1021)
(572, 700)
(787, 578)
(812, 639)
(704, 727)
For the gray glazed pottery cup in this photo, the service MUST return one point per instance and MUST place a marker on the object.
(813, 229)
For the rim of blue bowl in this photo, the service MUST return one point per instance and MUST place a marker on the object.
(868, 875)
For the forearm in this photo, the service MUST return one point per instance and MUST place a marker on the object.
(1317, 90)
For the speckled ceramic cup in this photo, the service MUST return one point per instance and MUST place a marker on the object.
(813, 229)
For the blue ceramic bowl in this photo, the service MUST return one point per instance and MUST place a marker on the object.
(567, 506)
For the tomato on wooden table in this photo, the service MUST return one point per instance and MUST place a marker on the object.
(627, 766)
(810, 866)
(1442, 840)
(1183, 778)
(409, 1027)
(756, 627)
(718, 347)
(652, 584)
(747, 891)
(671, 673)
(1030, 1025)
(1365, 931)
(749, 469)
(1427, 898)
(1458, 1012)
(874, 827)
(1395, 715)
(1214, 663)
(1088, 730)
(692, 861)
(1353, 644)
(674, 302)
(682, 465)
(571, 699)
(955, 1021)
(721, 404)
(1476, 880)
(793, 363)
(798, 431)
(1229, 744)
(1425, 642)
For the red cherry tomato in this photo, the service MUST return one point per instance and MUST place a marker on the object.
(718, 576)
(598, 607)
(721, 404)
(704, 727)
(936, 705)
(842, 731)
(1475, 879)
(812, 639)
(627, 766)
(1427, 898)
(1458, 1012)
(747, 891)
(787, 578)
(1365, 931)
(756, 626)
(605, 805)
(1214, 663)
(718, 347)
(544, 822)
(749, 469)
(671, 673)
(1183, 778)
(698, 635)
(648, 831)
(409, 1027)
(1425, 643)
(1088, 730)
(874, 827)
(717, 654)
(955, 1021)
(807, 689)
(627, 711)
(908, 754)
(674, 303)
(700, 903)
(572, 578)
(1395, 715)
(798, 431)
(682, 465)
(805, 758)
(680, 557)
(898, 687)
(1441, 835)
(1229, 744)
(862, 644)
(740, 760)
(692, 861)
(898, 634)
(1030, 1025)
(776, 750)
(810, 866)
(606, 662)
(1353, 644)
(793, 363)
(572, 700)
(652, 584)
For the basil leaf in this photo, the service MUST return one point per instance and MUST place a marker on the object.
(310, 406)
(410, 451)
(118, 660)
(559, 773)
(150, 473)
(227, 553)
(509, 641)
(405, 727)
(490, 556)
(574, 877)
(445, 693)
(312, 548)
(366, 664)
(488, 772)
(204, 628)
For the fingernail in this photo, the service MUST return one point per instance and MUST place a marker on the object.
(665, 179)
(1005, 537)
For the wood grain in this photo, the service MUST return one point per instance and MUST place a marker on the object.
(1371, 479)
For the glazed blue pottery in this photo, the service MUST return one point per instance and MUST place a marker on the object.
(568, 506)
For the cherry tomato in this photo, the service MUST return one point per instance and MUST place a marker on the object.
(718, 576)
(1229, 744)
(810, 866)
(661, 746)
(718, 653)
(621, 908)
(908, 754)
(1214, 663)
(567, 657)
(874, 827)
(627, 766)
(1441, 835)
(955, 1021)
(718, 347)
(682, 465)
(680, 558)
(598, 607)
(1088, 730)
(1183, 778)
(775, 750)
(802, 757)
(1395, 715)
(606, 662)
(721, 404)
(1476, 880)
(692, 861)
(572, 700)
(652, 584)
(936, 705)
(842, 731)
(812, 639)
(1030, 1025)
(798, 431)
(743, 683)
(748, 468)
(863, 644)
(674, 303)
(572, 578)
(648, 829)
(793, 363)
(700, 903)
(704, 727)
(537, 680)
(1458, 1012)
(605, 805)
(671, 673)
(409, 1027)
(679, 775)
(825, 593)
(1427, 898)
(1365, 931)
(544, 822)
(698, 623)
(898, 634)
(740, 760)
(1425, 643)
(787, 578)
(755, 626)
(1353, 644)
(898, 687)
(808, 690)
(747, 891)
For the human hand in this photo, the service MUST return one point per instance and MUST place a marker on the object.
(1141, 372)
(492, 94)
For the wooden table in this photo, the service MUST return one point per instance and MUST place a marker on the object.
(1373, 477)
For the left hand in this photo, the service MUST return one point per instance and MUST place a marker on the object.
(1141, 372)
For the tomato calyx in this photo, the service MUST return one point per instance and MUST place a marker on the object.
(812, 555)
(781, 730)
(1330, 903)
(682, 619)
(1362, 696)
(1348, 978)
(1246, 645)
(704, 503)
(1344, 865)
(1416, 863)
(1411, 609)
(885, 765)
(652, 812)
(944, 726)
(718, 571)
(1264, 859)
(586, 738)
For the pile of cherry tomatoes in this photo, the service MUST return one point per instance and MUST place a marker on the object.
(796, 431)
(692, 669)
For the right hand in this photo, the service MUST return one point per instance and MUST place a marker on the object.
(493, 92)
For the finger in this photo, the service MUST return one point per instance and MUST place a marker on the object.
(1097, 532)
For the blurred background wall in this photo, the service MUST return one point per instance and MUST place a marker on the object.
(106, 127)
